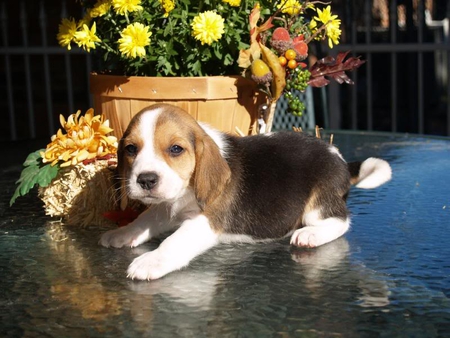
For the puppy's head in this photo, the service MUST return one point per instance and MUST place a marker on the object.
(164, 152)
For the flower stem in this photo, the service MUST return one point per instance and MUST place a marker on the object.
(317, 32)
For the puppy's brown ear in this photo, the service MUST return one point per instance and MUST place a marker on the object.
(212, 172)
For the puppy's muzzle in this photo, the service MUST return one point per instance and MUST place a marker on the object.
(148, 180)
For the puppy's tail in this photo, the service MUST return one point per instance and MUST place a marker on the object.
(370, 173)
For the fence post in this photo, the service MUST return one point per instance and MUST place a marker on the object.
(9, 87)
(30, 103)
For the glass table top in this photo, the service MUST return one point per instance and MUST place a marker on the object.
(388, 276)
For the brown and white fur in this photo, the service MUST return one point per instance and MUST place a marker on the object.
(213, 188)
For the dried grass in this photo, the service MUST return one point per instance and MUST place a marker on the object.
(82, 193)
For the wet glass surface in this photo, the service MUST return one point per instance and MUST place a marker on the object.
(388, 276)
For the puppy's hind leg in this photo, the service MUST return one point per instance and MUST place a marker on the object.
(318, 230)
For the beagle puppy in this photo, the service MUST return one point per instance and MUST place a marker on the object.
(212, 187)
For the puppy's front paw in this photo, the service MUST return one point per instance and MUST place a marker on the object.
(305, 237)
(148, 266)
(125, 236)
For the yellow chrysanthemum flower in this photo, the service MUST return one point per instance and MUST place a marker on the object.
(66, 34)
(233, 3)
(333, 33)
(291, 7)
(123, 7)
(332, 28)
(168, 5)
(133, 40)
(86, 37)
(100, 8)
(86, 138)
(208, 27)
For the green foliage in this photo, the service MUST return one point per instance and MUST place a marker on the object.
(34, 173)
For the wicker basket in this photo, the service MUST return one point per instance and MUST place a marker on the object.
(227, 103)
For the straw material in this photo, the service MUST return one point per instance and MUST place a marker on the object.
(81, 194)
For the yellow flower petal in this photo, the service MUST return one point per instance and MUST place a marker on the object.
(65, 156)
(86, 37)
(85, 138)
(208, 27)
(291, 7)
(66, 34)
(134, 38)
(83, 154)
(125, 6)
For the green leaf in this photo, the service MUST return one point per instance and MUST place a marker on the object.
(34, 174)
(27, 179)
(26, 183)
(218, 53)
(228, 60)
(33, 158)
(197, 66)
(46, 175)
(190, 57)
(14, 197)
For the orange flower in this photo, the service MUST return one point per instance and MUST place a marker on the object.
(86, 138)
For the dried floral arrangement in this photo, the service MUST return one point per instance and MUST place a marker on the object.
(75, 169)
(275, 58)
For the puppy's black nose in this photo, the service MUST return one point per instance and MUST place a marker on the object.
(147, 180)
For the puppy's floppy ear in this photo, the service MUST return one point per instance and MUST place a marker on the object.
(212, 172)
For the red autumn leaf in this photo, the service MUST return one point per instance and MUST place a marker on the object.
(122, 217)
(333, 68)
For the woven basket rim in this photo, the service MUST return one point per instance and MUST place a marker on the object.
(166, 88)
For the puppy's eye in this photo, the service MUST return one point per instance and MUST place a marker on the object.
(131, 149)
(175, 150)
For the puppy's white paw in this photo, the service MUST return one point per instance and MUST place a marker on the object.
(305, 237)
(126, 236)
(149, 266)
